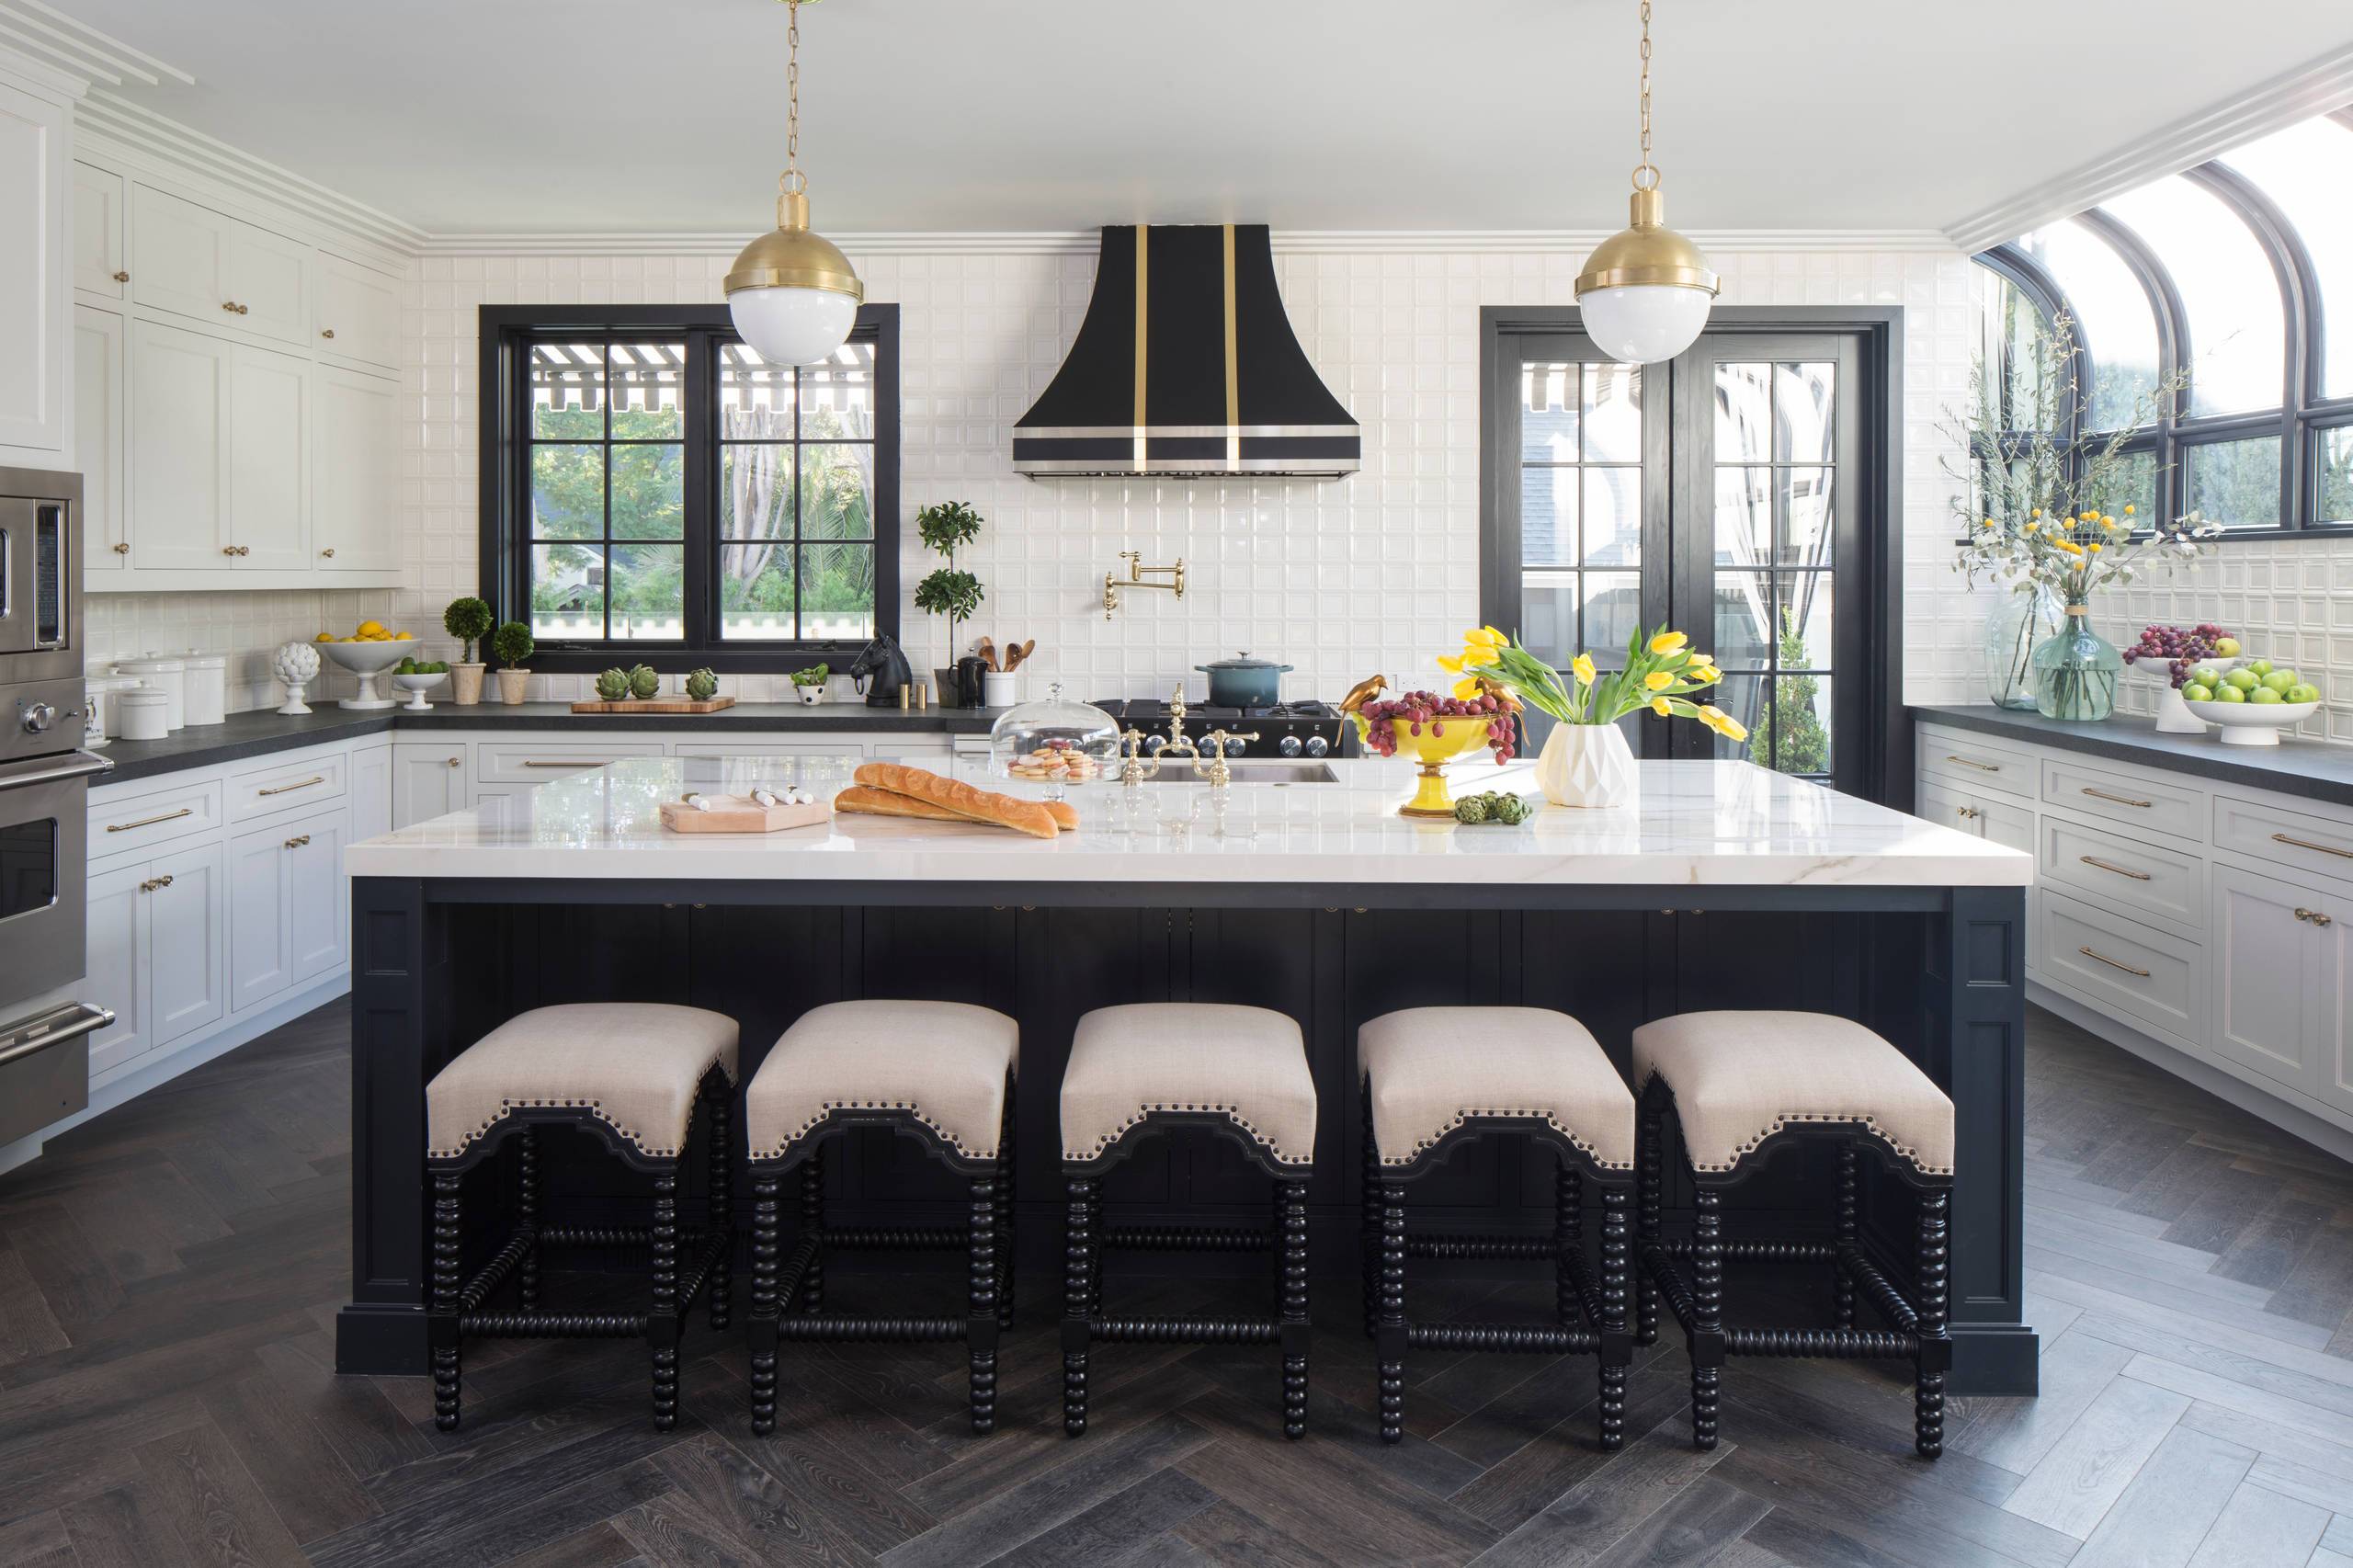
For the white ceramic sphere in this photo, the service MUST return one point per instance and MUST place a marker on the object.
(1643, 324)
(296, 663)
(792, 326)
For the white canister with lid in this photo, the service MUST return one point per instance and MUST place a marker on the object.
(206, 686)
(100, 722)
(142, 713)
(167, 675)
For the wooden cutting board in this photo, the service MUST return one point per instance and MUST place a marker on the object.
(656, 704)
(741, 814)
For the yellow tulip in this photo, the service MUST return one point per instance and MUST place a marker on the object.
(1484, 637)
(1467, 688)
(1451, 663)
(1497, 638)
(1706, 675)
(1658, 680)
(1667, 641)
(1724, 723)
(1660, 705)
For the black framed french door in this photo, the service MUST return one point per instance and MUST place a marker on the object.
(1744, 493)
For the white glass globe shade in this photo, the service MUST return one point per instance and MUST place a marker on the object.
(1641, 324)
(792, 326)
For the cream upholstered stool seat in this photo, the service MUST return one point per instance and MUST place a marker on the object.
(1435, 1078)
(632, 1073)
(1138, 1072)
(1741, 1084)
(941, 1072)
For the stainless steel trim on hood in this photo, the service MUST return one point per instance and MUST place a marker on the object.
(1166, 468)
(1244, 432)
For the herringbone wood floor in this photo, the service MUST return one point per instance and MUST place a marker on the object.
(168, 1276)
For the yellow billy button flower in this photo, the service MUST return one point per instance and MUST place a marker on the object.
(2038, 512)
(1658, 680)
(2034, 527)
(2130, 510)
(2094, 546)
(1662, 707)
(1582, 667)
(1669, 641)
(1989, 523)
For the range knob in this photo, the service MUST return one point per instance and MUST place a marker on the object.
(1152, 744)
(1290, 746)
(1236, 747)
(40, 716)
(1317, 745)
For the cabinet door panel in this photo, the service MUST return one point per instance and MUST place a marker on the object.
(2268, 979)
(260, 936)
(270, 277)
(428, 780)
(33, 320)
(353, 472)
(187, 942)
(98, 350)
(179, 256)
(359, 313)
(371, 791)
(179, 464)
(269, 459)
(117, 976)
(319, 923)
(98, 230)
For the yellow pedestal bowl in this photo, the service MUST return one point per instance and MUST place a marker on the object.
(1441, 742)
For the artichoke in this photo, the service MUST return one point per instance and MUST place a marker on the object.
(613, 685)
(702, 685)
(643, 683)
(1471, 810)
(1511, 811)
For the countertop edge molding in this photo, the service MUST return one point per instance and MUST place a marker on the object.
(2312, 770)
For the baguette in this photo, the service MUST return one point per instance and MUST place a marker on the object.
(867, 800)
(976, 805)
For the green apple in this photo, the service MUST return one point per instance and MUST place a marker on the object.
(2261, 694)
(2227, 646)
(2198, 692)
(2242, 681)
(2232, 694)
(2279, 680)
(2207, 676)
(2261, 668)
(2302, 691)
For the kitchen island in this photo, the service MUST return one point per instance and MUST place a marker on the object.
(1723, 886)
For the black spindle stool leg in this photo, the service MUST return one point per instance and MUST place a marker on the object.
(1368, 1223)
(446, 1285)
(1388, 1339)
(723, 1211)
(1568, 1240)
(980, 1333)
(812, 1224)
(1008, 1170)
(1647, 1178)
(763, 1304)
(527, 1217)
(1616, 1352)
(662, 1322)
(1935, 1340)
(1843, 1286)
(1078, 1299)
(1707, 1312)
(1095, 1239)
(1293, 1330)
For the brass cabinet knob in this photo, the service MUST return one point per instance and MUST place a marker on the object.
(230, 306)
(1967, 813)
(242, 311)
(455, 761)
(328, 553)
(228, 550)
(122, 276)
(123, 549)
(2314, 917)
(326, 332)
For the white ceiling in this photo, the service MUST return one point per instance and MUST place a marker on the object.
(668, 116)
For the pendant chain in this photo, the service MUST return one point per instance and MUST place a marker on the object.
(1646, 166)
(792, 178)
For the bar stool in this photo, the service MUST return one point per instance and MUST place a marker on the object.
(629, 1073)
(1138, 1072)
(1742, 1085)
(1438, 1078)
(941, 1072)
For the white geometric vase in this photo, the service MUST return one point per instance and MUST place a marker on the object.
(1586, 765)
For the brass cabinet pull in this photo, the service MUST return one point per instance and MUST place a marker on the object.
(2091, 861)
(2112, 963)
(2119, 800)
(326, 332)
(2300, 844)
(2314, 917)
(123, 549)
(1965, 762)
(148, 822)
(1968, 813)
(122, 276)
(573, 762)
(289, 788)
(297, 842)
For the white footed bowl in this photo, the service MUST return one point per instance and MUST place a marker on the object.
(367, 658)
(2252, 723)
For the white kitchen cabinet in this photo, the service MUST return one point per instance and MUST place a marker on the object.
(371, 791)
(98, 232)
(2277, 994)
(353, 469)
(179, 464)
(286, 910)
(359, 313)
(186, 942)
(196, 262)
(428, 779)
(115, 975)
(36, 416)
(269, 459)
(270, 277)
(98, 444)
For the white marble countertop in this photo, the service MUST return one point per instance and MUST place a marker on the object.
(1695, 823)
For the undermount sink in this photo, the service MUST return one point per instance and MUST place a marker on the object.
(1247, 772)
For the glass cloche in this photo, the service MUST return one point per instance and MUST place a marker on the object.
(1055, 742)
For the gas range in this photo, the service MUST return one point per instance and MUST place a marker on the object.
(1287, 728)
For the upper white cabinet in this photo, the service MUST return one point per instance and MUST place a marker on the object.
(35, 416)
(100, 350)
(221, 468)
(98, 248)
(352, 468)
(199, 262)
(271, 274)
(269, 459)
(359, 313)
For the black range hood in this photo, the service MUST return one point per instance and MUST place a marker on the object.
(1186, 367)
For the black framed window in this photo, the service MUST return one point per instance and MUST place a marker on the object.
(651, 489)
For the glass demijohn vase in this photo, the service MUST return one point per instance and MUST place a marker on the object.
(2075, 672)
(2021, 624)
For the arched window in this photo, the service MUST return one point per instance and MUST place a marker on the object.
(2225, 271)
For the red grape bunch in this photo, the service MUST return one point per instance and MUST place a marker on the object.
(2183, 648)
(1415, 709)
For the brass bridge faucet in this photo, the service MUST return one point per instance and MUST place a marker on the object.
(1137, 573)
(1134, 769)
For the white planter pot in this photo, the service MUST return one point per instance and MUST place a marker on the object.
(2174, 717)
(1586, 765)
(465, 683)
(512, 685)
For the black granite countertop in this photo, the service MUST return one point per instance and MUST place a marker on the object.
(259, 734)
(2317, 770)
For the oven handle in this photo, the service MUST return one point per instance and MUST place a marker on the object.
(78, 765)
(60, 1023)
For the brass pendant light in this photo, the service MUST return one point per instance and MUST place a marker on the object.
(1645, 290)
(791, 293)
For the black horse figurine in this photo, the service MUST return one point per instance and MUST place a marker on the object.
(881, 662)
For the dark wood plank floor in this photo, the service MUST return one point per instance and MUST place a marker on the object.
(168, 1276)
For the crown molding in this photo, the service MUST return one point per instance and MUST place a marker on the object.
(38, 75)
(79, 48)
(2325, 84)
(1085, 241)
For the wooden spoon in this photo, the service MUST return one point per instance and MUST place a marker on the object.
(988, 652)
(1015, 653)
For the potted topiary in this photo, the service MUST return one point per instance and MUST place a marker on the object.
(511, 642)
(468, 620)
(945, 527)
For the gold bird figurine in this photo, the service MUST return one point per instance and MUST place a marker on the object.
(1363, 692)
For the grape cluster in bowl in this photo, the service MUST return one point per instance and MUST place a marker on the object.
(1415, 709)
(2182, 648)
